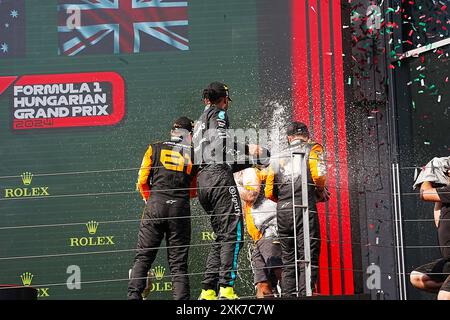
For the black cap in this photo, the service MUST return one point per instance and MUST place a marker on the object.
(297, 128)
(215, 91)
(183, 123)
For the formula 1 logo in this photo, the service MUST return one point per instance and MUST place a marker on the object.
(65, 100)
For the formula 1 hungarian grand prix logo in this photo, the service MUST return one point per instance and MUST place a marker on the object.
(65, 100)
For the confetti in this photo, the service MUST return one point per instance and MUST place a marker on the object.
(422, 24)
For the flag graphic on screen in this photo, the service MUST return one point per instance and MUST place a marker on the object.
(121, 26)
(12, 28)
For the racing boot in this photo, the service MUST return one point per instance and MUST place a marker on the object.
(264, 290)
(227, 293)
(209, 294)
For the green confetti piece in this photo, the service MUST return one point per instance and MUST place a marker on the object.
(427, 143)
(414, 105)
(349, 82)
(432, 87)
(435, 93)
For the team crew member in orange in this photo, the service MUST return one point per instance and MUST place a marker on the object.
(260, 216)
(279, 189)
(168, 174)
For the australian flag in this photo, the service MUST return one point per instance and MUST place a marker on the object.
(122, 26)
(12, 28)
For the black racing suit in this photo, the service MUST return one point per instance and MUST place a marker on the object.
(167, 172)
(216, 152)
(279, 188)
(444, 222)
(439, 270)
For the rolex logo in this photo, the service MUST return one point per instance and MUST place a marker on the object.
(159, 272)
(26, 178)
(92, 227)
(26, 277)
(91, 241)
(25, 191)
(158, 285)
(208, 236)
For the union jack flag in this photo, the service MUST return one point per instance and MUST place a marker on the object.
(121, 26)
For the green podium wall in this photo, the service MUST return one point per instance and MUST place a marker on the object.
(53, 181)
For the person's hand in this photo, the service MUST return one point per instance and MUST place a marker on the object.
(249, 196)
(260, 155)
(323, 195)
(255, 150)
